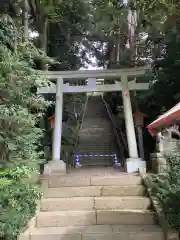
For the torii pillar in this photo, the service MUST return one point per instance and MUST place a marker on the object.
(133, 163)
(57, 167)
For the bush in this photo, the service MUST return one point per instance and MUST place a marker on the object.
(166, 189)
(17, 202)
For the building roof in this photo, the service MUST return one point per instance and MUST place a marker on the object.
(169, 118)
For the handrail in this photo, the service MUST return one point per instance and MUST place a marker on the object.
(120, 146)
(77, 136)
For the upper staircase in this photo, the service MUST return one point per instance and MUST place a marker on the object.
(96, 135)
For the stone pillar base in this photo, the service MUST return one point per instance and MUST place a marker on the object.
(159, 163)
(55, 169)
(133, 165)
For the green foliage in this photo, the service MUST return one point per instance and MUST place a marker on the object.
(166, 188)
(17, 201)
(66, 35)
(20, 108)
(20, 111)
(165, 79)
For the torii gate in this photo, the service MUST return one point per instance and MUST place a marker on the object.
(133, 163)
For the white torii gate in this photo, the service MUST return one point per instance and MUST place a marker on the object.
(133, 163)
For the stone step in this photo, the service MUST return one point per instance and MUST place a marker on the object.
(101, 232)
(124, 190)
(66, 218)
(105, 130)
(101, 109)
(96, 148)
(65, 204)
(90, 137)
(93, 133)
(96, 123)
(95, 142)
(116, 180)
(87, 138)
(90, 203)
(95, 113)
(136, 203)
(126, 216)
(94, 109)
(96, 163)
(96, 152)
(107, 180)
(95, 191)
(63, 192)
(66, 181)
(97, 131)
(92, 217)
(96, 159)
(96, 156)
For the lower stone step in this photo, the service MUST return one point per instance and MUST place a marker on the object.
(100, 217)
(116, 180)
(126, 216)
(67, 204)
(103, 203)
(95, 191)
(90, 203)
(66, 218)
(101, 232)
(125, 190)
(64, 192)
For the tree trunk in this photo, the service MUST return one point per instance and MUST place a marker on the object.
(25, 20)
(43, 34)
(43, 39)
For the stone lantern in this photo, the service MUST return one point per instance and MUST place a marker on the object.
(139, 119)
(139, 123)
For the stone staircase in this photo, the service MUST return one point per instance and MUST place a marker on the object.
(96, 135)
(85, 206)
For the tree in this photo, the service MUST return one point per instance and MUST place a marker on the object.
(162, 47)
(20, 110)
(65, 40)
(19, 137)
(65, 45)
